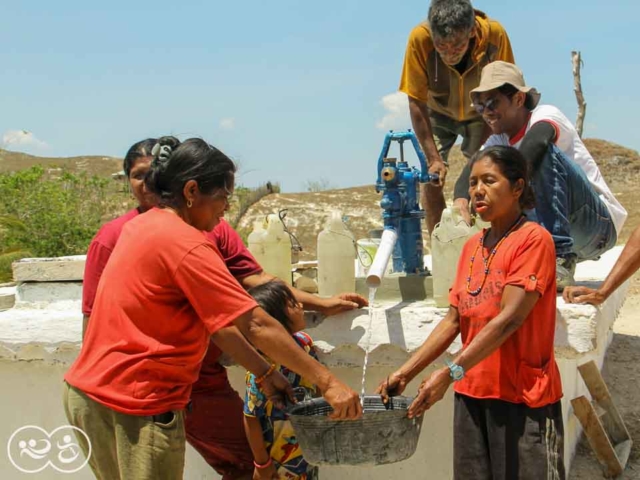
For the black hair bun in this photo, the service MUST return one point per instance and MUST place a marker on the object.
(170, 141)
(156, 178)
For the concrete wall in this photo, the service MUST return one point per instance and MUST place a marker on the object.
(40, 337)
(32, 395)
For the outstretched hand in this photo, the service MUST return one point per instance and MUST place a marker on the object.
(394, 385)
(431, 391)
(579, 294)
(342, 303)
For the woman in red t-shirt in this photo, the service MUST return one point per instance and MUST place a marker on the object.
(507, 412)
(135, 165)
(164, 290)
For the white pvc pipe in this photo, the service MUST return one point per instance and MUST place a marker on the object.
(379, 265)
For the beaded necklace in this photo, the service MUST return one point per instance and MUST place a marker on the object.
(487, 261)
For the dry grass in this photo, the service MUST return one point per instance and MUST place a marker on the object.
(620, 167)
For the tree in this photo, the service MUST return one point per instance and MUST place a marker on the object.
(576, 61)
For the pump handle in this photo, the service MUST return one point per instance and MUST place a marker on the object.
(433, 177)
(401, 137)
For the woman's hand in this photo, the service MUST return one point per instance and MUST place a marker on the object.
(431, 391)
(267, 473)
(277, 388)
(392, 386)
(345, 402)
(583, 295)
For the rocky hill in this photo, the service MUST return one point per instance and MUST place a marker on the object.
(307, 212)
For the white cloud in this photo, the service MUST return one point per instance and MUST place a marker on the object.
(21, 138)
(396, 117)
(228, 123)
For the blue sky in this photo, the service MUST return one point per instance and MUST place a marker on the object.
(291, 90)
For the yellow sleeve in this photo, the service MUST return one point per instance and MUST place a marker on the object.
(504, 45)
(414, 81)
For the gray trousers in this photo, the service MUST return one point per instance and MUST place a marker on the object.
(498, 440)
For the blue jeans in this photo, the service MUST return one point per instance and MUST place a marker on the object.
(570, 209)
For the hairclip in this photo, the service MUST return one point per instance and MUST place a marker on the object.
(162, 152)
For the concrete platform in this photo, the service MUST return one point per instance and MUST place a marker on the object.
(41, 336)
(7, 297)
(56, 269)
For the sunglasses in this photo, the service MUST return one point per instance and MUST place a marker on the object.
(490, 105)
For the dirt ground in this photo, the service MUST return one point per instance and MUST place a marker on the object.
(620, 169)
(623, 379)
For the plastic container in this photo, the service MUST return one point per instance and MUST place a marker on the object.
(272, 247)
(336, 255)
(383, 435)
(366, 248)
(256, 236)
(447, 240)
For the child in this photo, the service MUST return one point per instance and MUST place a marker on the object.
(273, 442)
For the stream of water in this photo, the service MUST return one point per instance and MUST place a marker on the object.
(367, 345)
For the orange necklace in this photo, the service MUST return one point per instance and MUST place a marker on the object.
(487, 261)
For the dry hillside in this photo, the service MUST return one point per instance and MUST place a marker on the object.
(93, 165)
(307, 212)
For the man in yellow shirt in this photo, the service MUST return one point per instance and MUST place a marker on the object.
(442, 64)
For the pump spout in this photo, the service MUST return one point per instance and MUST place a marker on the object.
(379, 265)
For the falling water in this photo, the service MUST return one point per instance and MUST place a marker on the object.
(372, 296)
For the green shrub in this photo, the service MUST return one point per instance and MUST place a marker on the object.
(51, 215)
(56, 214)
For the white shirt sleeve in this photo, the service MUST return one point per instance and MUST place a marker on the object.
(565, 131)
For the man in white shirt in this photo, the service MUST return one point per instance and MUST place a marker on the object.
(573, 202)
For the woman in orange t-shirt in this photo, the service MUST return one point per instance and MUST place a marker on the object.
(163, 293)
(507, 412)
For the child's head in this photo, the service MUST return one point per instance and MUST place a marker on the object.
(277, 300)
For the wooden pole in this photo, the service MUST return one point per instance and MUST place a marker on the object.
(576, 60)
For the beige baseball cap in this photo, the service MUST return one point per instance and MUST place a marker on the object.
(499, 73)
